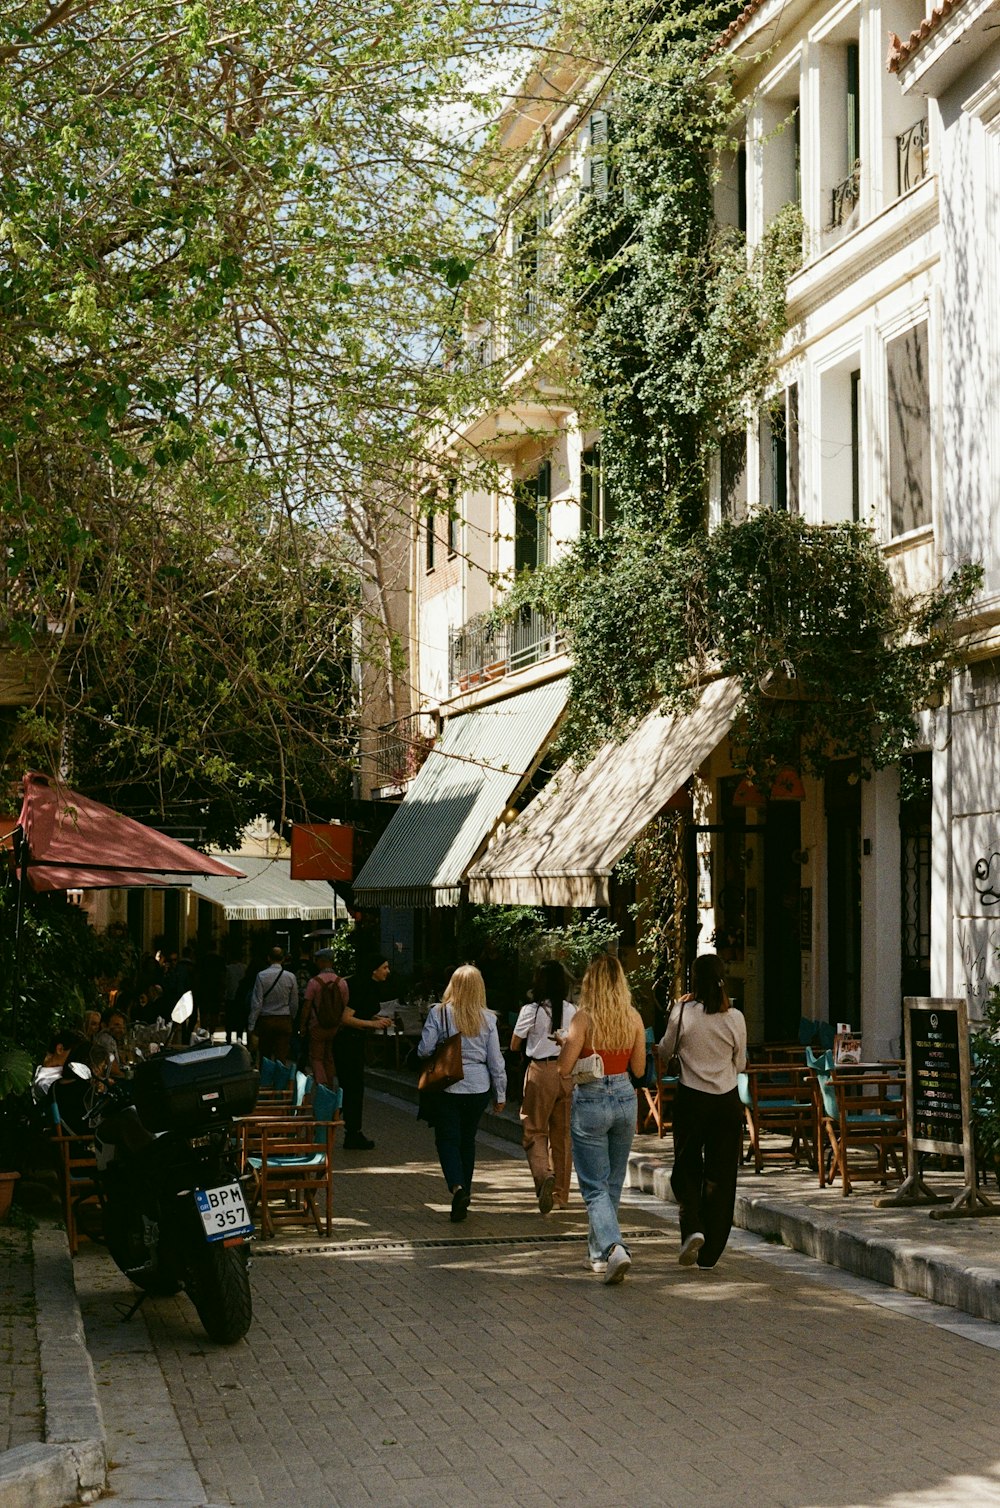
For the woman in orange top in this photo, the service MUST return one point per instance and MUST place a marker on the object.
(602, 1121)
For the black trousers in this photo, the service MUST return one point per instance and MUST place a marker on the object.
(707, 1140)
(350, 1065)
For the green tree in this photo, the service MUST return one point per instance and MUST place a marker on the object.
(225, 231)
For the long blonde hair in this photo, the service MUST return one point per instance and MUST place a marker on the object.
(466, 994)
(607, 1000)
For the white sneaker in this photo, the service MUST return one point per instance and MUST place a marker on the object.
(597, 1264)
(689, 1251)
(619, 1263)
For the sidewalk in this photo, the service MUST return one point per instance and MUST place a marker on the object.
(954, 1262)
(55, 1434)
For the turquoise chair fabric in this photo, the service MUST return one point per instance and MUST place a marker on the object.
(303, 1088)
(268, 1068)
(822, 1062)
(826, 1036)
(828, 1095)
(743, 1089)
(283, 1075)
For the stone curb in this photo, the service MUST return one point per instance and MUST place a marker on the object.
(71, 1466)
(930, 1272)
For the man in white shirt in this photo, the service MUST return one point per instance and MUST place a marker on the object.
(273, 1008)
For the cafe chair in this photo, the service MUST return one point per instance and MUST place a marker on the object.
(778, 1104)
(861, 1114)
(656, 1101)
(76, 1166)
(290, 1162)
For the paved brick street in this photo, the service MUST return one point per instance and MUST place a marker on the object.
(476, 1365)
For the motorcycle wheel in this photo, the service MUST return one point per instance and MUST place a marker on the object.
(142, 1265)
(219, 1287)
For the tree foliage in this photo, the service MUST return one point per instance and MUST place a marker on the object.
(226, 227)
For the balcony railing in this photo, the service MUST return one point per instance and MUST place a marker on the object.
(474, 351)
(401, 748)
(845, 196)
(913, 156)
(483, 651)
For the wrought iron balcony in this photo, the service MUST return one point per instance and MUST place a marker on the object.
(473, 351)
(913, 155)
(401, 748)
(483, 650)
(845, 196)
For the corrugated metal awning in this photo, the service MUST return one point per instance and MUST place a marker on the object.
(562, 848)
(473, 772)
(268, 894)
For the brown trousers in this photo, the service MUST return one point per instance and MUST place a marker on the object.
(545, 1112)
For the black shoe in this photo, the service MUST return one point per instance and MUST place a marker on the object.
(358, 1143)
(460, 1201)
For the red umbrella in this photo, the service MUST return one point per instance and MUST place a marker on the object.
(69, 842)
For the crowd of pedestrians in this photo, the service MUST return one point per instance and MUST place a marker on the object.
(583, 1062)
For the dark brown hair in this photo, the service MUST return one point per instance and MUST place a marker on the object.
(708, 983)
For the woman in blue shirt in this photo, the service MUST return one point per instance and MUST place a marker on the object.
(459, 1109)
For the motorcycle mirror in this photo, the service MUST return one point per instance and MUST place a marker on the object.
(183, 1009)
(81, 1070)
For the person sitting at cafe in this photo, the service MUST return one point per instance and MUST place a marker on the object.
(109, 1043)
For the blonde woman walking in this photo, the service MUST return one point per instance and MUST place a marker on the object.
(459, 1109)
(602, 1121)
(542, 1027)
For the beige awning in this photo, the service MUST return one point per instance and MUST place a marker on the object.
(562, 848)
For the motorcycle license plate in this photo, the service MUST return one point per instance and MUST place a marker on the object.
(223, 1212)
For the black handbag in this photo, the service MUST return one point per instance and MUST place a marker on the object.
(672, 1067)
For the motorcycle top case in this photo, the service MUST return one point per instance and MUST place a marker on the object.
(190, 1089)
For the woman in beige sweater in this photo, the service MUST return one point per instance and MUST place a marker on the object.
(710, 1039)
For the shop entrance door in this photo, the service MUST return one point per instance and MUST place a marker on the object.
(782, 958)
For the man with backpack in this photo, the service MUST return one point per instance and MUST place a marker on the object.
(323, 1009)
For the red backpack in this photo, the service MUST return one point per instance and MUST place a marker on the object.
(329, 1004)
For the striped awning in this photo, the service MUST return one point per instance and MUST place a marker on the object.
(268, 893)
(562, 848)
(467, 781)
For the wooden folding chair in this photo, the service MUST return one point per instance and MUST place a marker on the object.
(656, 1103)
(778, 1100)
(77, 1170)
(861, 1113)
(290, 1159)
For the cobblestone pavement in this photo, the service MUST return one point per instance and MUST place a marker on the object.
(21, 1419)
(418, 1363)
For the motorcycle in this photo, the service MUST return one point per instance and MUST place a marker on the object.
(175, 1211)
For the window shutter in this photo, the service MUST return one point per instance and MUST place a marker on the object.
(543, 494)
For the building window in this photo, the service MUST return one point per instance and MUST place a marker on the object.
(429, 541)
(454, 520)
(856, 445)
(779, 458)
(733, 476)
(531, 519)
(597, 512)
(909, 430)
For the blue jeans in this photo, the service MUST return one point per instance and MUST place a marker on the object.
(602, 1125)
(456, 1121)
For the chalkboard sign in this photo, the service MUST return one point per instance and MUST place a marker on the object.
(935, 1070)
(939, 1105)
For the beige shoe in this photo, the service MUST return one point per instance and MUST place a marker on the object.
(545, 1195)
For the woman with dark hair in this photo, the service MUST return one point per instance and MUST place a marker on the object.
(710, 1038)
(545, 1107)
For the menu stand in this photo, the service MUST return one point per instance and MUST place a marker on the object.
(939, 1106)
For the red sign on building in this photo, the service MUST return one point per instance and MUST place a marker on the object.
(322, 851)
